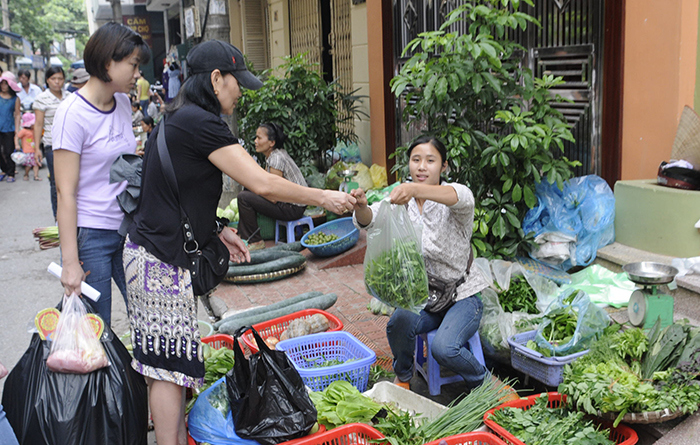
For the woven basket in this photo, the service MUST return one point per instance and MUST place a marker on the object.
(643, 418)
(687, 142)
(264, 277)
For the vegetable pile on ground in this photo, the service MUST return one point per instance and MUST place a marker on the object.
(519, 297)
(320, 238)
(396, 276)
(632, 372)
(217, 362)
(47, 237)
(541, 425)
(467, 414)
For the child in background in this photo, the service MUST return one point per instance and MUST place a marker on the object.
(26, 135)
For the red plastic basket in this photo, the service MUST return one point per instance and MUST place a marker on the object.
(353, 433)
(218, 341)
(276, 326)
(622, 434)
(473, 438)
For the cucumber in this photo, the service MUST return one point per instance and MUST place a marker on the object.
(263, 256)
(286, 262)
(232, 326)
(294, 247)
(280, 304)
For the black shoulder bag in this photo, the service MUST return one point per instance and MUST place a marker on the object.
(208, 265)
(441, 293)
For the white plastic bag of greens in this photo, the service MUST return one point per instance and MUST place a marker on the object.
(570, 324)
(394, 267)
(497, 324)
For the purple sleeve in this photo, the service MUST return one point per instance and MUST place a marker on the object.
(67, 133)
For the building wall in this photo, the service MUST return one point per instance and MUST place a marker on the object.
(661, 41)
(360, 77)
(279, 31)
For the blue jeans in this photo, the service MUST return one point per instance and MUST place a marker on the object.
(455, 327)
(7, 434)
(144, 107)
(100, 251)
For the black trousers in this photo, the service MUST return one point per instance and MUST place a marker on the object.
(48, 154)
(250, 204)
(7, 146)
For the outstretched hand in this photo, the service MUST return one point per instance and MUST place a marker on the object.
(238, 252)
(360, 197)
(338, 202)
(402, 194)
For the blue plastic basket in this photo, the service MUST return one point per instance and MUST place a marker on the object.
(310, 350)
(548, 370)
(347, 234)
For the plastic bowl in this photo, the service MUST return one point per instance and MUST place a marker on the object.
(347, 234)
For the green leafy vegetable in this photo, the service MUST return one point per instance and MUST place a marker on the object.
(342, 403)
(519, 297)
(541, 425)
(397, 277)
(217, 362)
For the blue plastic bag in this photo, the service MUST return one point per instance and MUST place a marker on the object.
(208, 424)
(591, 320)
(584, 210)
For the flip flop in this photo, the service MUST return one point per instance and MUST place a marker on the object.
(37, 179)
(11, 179)
(3, 176)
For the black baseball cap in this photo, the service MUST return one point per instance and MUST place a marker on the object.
(215, 54)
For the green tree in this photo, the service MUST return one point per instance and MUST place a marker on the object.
(42, 22)
(494, 116)
(306, 107)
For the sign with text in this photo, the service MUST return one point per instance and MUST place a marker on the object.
(141, 24)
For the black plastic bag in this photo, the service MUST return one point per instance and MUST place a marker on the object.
(268, 398)
(106, 406)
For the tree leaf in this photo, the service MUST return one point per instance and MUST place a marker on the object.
(517, 193)
(530, 199)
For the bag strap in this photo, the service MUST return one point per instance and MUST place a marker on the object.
(191, 246)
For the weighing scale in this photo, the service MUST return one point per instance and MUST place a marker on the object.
(648, 303)
(348, 184)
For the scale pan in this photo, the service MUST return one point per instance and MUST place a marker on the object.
(650, 273)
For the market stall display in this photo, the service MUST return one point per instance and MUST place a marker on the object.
(331, 238)
(636, 372)
(276, 328)
(329, 356)
(544, 420)
(648, 304)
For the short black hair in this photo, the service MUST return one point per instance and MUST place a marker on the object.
(136, 105)
(275, 133)
(432, 140)
(199, 91)
(50, 71)
(112, 42)
(148, 120)
(21, 73)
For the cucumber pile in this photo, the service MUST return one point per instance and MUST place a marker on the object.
(268, 264)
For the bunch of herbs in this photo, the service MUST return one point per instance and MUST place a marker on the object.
(397, 276)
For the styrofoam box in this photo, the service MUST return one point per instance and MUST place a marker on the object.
(405, 400)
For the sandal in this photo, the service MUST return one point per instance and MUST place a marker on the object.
(11, 179)
(3, 176)
(26, 178)
(36, 178)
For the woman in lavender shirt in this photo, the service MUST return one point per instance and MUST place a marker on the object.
(91, 129)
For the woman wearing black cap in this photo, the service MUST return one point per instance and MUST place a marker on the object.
(162, 305)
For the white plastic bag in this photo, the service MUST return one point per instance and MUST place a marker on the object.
(75, 348)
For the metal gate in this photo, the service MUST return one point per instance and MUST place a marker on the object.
(569, 44)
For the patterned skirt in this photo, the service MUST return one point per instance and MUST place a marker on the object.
(163, 315)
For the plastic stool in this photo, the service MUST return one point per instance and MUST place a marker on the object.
(432, 374)
(291, 225)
